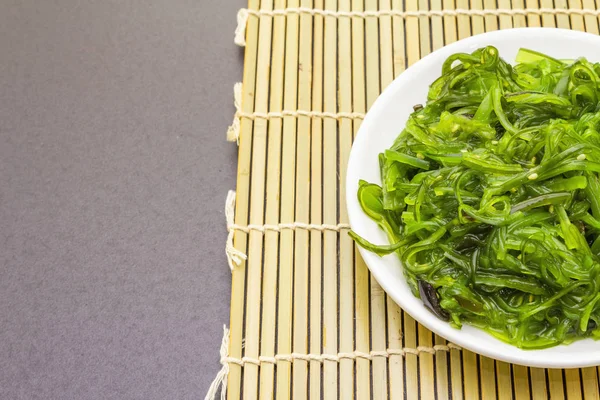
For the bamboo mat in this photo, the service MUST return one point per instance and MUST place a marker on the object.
(307, 319)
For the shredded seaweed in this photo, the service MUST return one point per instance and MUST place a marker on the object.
(490, 196)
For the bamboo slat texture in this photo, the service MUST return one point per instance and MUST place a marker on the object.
(307, 319)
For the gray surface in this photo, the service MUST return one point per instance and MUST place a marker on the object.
(113, 175)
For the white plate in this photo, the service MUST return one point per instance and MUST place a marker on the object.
(382, 125)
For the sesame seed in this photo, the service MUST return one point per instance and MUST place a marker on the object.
(581, 157)
(533, 176)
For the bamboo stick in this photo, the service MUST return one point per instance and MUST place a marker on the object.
(394, 314)
(505, 21)
(450, 28)
(556, 385)
(491, 21)
(456, 376)
(441, 370)
(395, 362)
(426, 370)
(378, 312)
(562, 20)
(503, 380)
(361, 273)
(477, 22)
(346, 244)
(394, 317)
(533, 20)
(576, 20)
(464, 22)
(519, 21)
(573, 384)
(470, 371)
(363, 370)
(538, 384)
(411, 361)
(411, 366)
(330, 315)
(424, 29)
(590, 383)
(488, 377)
(437, 27)
(521, 382)
(238, 278)
(257, 206)
(412, 34)
(271, 250)
(548, 20)
(398, 32)
(301, 256)
(288, 191)
(591, 22)
(316, 208)
(386, 45)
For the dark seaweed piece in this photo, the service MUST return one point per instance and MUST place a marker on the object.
(430, 300)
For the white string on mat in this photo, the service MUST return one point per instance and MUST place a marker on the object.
(240, 29)
(301, 113)
(233, 133)
(221, 378)
(341, 356)
(226, 360)
(235, 257)
(243, 14)
(290, 226)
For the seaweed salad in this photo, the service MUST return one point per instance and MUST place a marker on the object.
(490, 196)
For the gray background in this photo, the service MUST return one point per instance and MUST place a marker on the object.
(113, 175)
